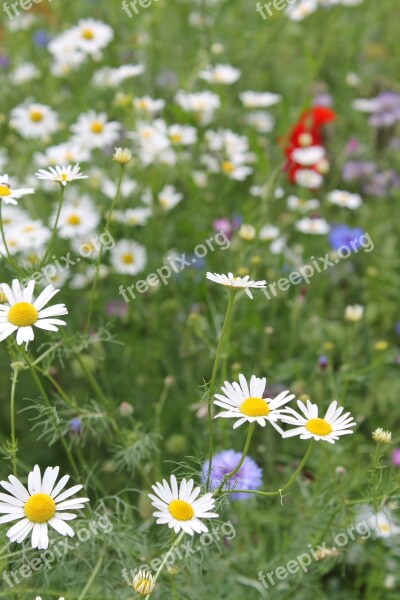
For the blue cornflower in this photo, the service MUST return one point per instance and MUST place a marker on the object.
(249, 477)
(342, 235)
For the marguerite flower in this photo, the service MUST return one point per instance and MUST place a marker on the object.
(246, 403)
(180, 508)
(34, 120)
(143, 583)
(240, 283)
(61, 175)
(93, 130)
(310, 425)
(9, 194)
(42, 504)
(20, 314)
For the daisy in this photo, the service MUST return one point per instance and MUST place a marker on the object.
(76, 218)
(222, 74)
(40, 598)
(309, 425)
(40, 505)
(91, 36)
(308, 178)
(128, 257)
(246, 403)
(148, 105)
(317, 226)
(345, 199)
(302, 205)
(259, 99)
(34, 120)
(10, 195)
(143, 583)
(239, 283)
(181, 509)
(66, 153)
(21, 313)
(61, 175)
(202, 104)
(308, 156)
(169, 197)
(93, 131)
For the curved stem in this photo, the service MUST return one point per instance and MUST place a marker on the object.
(224, 331)
(55, 226)
(287, 485)
(168, 554)
(93, 576)
(244, 454)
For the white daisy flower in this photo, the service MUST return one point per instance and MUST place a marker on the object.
(316, 226)
(20, 314)
(93, 131)
(128, 257)
(302, 205)
(91, 36)
(180, 508)
(354, 312)
(61, 175)
(24, 73)
(220, 74)
(169, 197)
(268, 233)
(308, 178)
(246, 403)
(240, 283)
(77, 218)
(202, 104)
(66, 153)
(148, 105)
(308, 156)
(132, 216)
(259, 99)
(262, 121)
(345, 199)
(9, 194)
(182, 135)
(383, 524)
(309, 425)
(42, 504)
(143, 583)
(34, 120)
(302, 9)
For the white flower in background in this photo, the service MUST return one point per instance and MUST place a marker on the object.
(42, 504)
(87, 246)
(21, 313)
(308, 156)
(94, 131)
(381, 436)
(308, 179)
(143, 583)
(9, 194)
(76, 218)
(3, 159)
(382, 523)
(202, 104)
(148, 105)
(302, 205)
(268, 233)
(36, 234)
(259, 99)
(302, 9)
(247, 232)
(24, 74)
(85, 279)
(132, 216)
(40, 598)
(16, 241)
(153, 143)
(181, 508)
(128, 257)
(34, 121)
(169, 197)
(128, 187)
(245, 403)
(61, 175)
(13, 216)
(230, 153)
(107, 77)
(23, 23)
(239, 283)
(122, 156)
(182, 135)
(365, 105)
(262, 121)
(354, 312)
(309, 425)
(62, 154)
(57, 279)
(66, 57)
(316, 226)
(220, 74)
(91, 36)
(345, 199)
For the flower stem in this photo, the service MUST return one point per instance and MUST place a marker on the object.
(93, 576)
(55, 226)
(16, 369)
(11, 260)
(225, 328)
(244, 454)
(375, 466)
(288, 484)
(168, 554)
(100, 256)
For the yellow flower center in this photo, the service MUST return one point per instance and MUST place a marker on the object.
(87, 34)
(227, 167)
(176, 138)
(28, 229)
(254, 407)
(142, 104)
(36, 116)
(69, 156)
(5, 189)
(181, 510)
(384, 527)
(96, 127)
(73, 220)
(127, 259)
(22, 314)
(318, 427)
(40, 508)
(63, 177)
(143, 587)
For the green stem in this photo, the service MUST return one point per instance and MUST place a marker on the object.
(375, 463)
(237, 468)
(16, 370)
(168, 554)
(55, 226)
(93, 576)
(287, 485)
(100, 256)
(224, 331)
(10, 258)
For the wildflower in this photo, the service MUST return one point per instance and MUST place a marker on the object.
(202, 104)
(354, 312)
(77, 219)
(380, 436)
(246, 403)
(317, 226)
(342, 235)
(309, 425)
(169, 197)
(42, 504)
(345, 199)
(143, 583)
(396, 457)
(61, 175)
(239, 283)
(122, 156)
(182, 509)
(33, 121)
(128, 257)
(247, 232)
(21, 313)
(94, 131)
(259, 99)
(10, 195)
(221, 74)
(248, 477)
(381, 345)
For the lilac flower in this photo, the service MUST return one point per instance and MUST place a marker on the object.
(387, 111)
(117, 308)
(249, 476)
(396, 457)
(342, 235)
(322, 99)
(40, 38)
(323, 362)
(357, 170)
(382, 183)
(223, 225)
(75, 426)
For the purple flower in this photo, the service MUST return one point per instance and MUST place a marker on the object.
(248, 477)
(396, 457)
(223, 225)
(75, 426)
(117, 308)
(323, 362)
(342, 235)
(357, 170)
(397, 328)
(387, 111)
(40, 38)
(381, 184)
(322, 99)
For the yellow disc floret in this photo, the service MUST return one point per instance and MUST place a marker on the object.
(74, 220)
(22, 314)
(254, 407)
(181, 510)
(40, 508)
(318, 427)
(5, 189)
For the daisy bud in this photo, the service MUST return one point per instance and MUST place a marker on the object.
(340, 471)
(122, 155)
(247, 232)
(126, 409)
(143, 584)
(169, 380)
(354, 312)
(381, 436)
